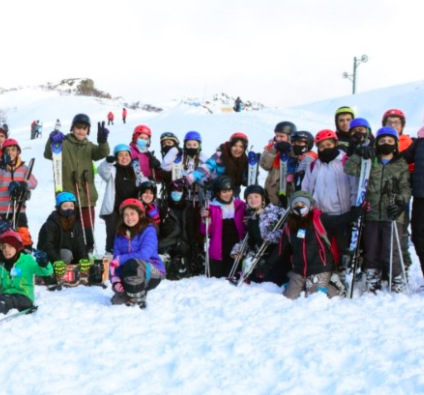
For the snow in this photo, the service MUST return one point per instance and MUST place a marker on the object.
(202, 336)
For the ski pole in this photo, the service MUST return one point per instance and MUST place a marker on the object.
(23, 195)
(207, 264)
(76, 184)
(402, 263)
(87, 191)
(239, 257)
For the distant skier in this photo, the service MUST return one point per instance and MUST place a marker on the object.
(124, 115)
(38, 130)
(33, 125)
(110, 118)
(238, 105)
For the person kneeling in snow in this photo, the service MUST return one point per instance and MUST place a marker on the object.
(17, 273)
(306, 236)
(136, 266)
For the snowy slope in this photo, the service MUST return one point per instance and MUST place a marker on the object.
(199, 336)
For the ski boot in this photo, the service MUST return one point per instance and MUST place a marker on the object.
(373, 278)
(398, 284)
(135, 289)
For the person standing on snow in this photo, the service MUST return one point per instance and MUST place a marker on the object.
(343, 117)
(110, 118)
(124, 115)
(238, 105)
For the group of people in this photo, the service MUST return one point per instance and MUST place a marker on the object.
(197, 216)
(111, 116)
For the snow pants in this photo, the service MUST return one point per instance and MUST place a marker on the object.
(311, 284)
(14, 301)
(111, 221)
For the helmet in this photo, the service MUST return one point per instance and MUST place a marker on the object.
(169, 136)
(193, 136)
(302, 134)
(81, 118)
(239, 136)
(344, 110)
(148, 185)
(387, 131)
(222, 183)
(176, 185)
(325, 134)
(13, 238)
(65, 197)
(9, 143)
(394, 112)
(133, 203)
(285, 127)
(141, 129)
(120, 148)
(254, 189)
(359, 122)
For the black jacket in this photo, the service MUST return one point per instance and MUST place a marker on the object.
(415, 154)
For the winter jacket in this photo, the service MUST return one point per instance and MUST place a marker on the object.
(174, 231)
(107, 171)
(344, 140)
(22, 282)
(110, 116)
(143, 158)
(415, 154)
(143, 246)
(78, 156)
(215, 226)
(333, 190)
(404, 143)
(52, 238)
(152, 210)
(9, 174)
(377, 195)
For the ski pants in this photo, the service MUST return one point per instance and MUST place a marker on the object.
(222, 268)
(86, 224)
(404, 239)
(311, 284)
(111, 221)
(417, 225)
(377, 236)
(14, 301)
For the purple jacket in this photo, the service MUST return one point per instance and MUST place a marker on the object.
(143, 246)
(143, 159)
(215, 227)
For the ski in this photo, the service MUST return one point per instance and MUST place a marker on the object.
(253, 162)
(19, 313)
(355, 240)
(57, 167)
(177, 168)
(284, 159)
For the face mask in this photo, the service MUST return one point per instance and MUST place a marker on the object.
(141, 143)
(166, 149)
(191, 151)
(67, 213)
(299, 150)
(301, 211)
(176, 196)
(328, 154)
(386, 149)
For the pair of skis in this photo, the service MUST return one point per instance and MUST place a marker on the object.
(253, 164)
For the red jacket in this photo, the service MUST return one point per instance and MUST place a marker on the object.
(110, 115)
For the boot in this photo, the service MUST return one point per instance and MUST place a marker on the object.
(338, 284)
(373, 280)
(398, 284)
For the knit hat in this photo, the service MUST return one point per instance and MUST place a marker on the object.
(301, 197)
(12, 238)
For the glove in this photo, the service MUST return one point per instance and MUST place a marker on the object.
(365, 152)
(283, 146)
(154, 162)
(357, 138)
(57, 137)
(204, 212)
(84, 266)
(102, 133)
(4, 225)
(113, 265)
(5, 159)
(117, 285)
(17, 187)
(394, 210)
(110, 159)
(356, 212)
(41, 258)
(59, 268)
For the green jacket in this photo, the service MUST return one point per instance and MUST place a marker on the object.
(377, 196)
(77, 156)
(23, 281)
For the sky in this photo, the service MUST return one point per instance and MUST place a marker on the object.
(279, 52)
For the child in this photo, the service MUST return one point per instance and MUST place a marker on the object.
(387, 194)
(305, 237)
(136, 267)
(123, 180)
(360, 135)
(78, 154)
(17, 273)
(342, 118)
(147, 195)
(226, 227)
(61, 236)
(13, 186)
(3, 135)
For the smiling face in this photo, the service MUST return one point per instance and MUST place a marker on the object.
(225, 195)
(131, 217)
(80, 131)
(254, 201)
(237, 150)
(123, 158)
(343, 121)
(148, 196)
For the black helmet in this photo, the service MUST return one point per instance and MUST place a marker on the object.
(285, 127)
(5, 127)
(81, 118)
(254, 189)
(144, 186)
(222, 183)
(302, 134)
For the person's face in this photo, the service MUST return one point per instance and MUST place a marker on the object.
(2, 138)
(237, 150)
(144, 137)
(254, 201)
(13, 152)
(360, 129)
(395, 123)
(67, 206)
(326, 144)
(131, 217)
(386, 140)
(343, 122)
(8, 251)
(225, 195)
(280, 137)
(192, 144)
(300, 143)
(123, 158)
(168, 143)
(80, 131)
(148, 196)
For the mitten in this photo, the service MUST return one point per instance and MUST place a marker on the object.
(41, 258)
(57, 137)
(102, 133)
(366, 152)
(110, 159)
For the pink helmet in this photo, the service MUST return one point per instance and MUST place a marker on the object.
(11, 142)
(325, 134)
(141, 129)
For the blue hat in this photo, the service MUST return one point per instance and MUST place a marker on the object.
(120, 148)
(65, 197)
(387, 131)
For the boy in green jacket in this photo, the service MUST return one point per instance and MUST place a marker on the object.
(17, 273)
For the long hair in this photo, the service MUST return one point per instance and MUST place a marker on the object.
(235, 168)
(186, 160)
(296, 222)
(139, 228)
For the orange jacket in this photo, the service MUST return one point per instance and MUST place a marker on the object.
(404, 142)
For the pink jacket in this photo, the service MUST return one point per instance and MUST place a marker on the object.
(143, 159)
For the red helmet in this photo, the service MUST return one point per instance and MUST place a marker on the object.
(394, 112)
(239, 135)
(13, 238)
(141, 129)
(325, 134)
(9, 143)
(135, 203)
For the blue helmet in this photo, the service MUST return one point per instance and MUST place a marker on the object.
(359, 122)
(65, 197)
(387, 131)
(193, 136)
(120, 148)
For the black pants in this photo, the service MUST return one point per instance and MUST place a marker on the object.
(111, 221)
(222, 268)
(14, 301)
(135, 267)
(417, 224)
(404, 241)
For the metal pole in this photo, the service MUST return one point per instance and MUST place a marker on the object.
(354, 76)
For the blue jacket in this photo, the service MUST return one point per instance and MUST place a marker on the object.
(143, 246)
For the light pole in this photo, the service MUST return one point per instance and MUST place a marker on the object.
(352, 77)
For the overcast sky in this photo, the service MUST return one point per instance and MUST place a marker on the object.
(279, 52)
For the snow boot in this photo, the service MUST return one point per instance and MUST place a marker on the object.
(398, 284)
(135, 288)
(373, 278)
